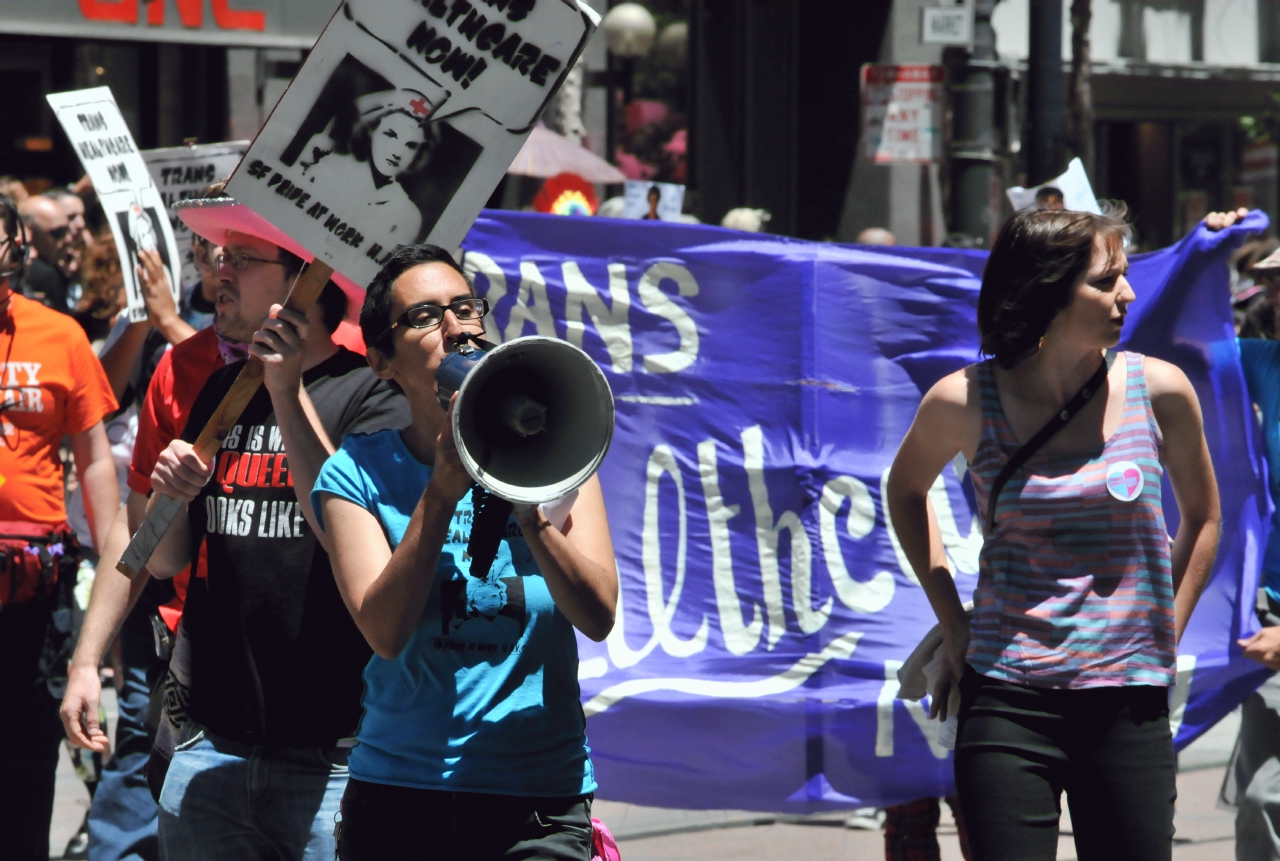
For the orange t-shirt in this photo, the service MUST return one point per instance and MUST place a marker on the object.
(51, 384)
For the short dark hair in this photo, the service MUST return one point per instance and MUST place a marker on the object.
(1047, 192)
(375, 314)
(1036, 263)
(332, 299)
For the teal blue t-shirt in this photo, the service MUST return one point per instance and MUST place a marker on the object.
(1261, 363)
(484, 697)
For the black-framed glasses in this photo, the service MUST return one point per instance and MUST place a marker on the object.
(428, 315)
(240, 262)
(58, 233)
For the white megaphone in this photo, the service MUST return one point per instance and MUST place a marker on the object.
(533, 419)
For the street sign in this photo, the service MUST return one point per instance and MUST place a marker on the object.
(902, 113)
(135, 210)
(947, 25)
(402, 121)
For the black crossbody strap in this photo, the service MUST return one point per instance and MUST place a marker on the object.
(1055, 424)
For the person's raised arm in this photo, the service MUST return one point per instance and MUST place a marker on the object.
(112, 598)
(157, 295)
(947, 423)
(281, 345)
(578, 562)
(1195, 489)
(179, 474)
(96, 470)
(386, 592)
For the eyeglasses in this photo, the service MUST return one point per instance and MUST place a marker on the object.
(240, 262)
(428, 315)
(57, 233)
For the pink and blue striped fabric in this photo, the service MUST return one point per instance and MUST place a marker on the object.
(1075, 585)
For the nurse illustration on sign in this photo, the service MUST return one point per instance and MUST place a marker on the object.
(391, 141)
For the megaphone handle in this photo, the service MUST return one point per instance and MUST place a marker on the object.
(491, 514)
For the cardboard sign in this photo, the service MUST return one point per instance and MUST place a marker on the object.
(402, 121)
(137, 214)
(902, 112)
(1073, 187)
(183, 172)
(667, 207)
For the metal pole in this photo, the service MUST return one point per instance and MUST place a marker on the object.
(972, 91)
(1045, 102)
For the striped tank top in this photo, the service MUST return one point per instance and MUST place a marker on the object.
(1075, 586)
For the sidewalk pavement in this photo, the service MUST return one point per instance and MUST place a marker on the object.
(1204, 831)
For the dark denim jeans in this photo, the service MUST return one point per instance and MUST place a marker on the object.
(382, 822)
(225, 801)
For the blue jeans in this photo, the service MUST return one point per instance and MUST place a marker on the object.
(238, 802)
(123, 816)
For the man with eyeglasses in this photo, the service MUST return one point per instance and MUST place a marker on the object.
(269, 688)
(52, 241)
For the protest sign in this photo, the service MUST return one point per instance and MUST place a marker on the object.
(765, 601)
(638, 200)
(403, 119)
(183, 172)
(902, 111)
(1075, 191)
(120, 178)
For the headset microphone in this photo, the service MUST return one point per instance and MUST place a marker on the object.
(532, 422)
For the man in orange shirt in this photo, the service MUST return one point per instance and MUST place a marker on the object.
(51, 386)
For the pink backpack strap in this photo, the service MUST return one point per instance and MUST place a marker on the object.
(603, 846)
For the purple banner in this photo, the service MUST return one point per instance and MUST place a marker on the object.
(763, 385)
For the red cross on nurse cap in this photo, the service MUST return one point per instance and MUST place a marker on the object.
(376, 105)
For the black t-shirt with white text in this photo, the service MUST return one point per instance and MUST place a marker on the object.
(275, 657)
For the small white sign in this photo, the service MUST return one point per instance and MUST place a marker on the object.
(902, 112)
(134, 208)
(947, 25)
(653, 201)
(402, 121)
(1071, 190)
(183, 172)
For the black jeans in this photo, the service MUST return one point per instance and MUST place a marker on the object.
(381, 822)
(1018, 748)
(30, 734)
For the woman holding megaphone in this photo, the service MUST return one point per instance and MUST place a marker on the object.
(473, 738)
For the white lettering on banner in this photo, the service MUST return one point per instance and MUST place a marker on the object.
(861, 597)
(611, 321)
(660, 304)
(582, 300)
(740, 636)
(962, 551)
(663, 462)
(840, 649)
(495, 285)
(531, 305)
(884, 716)
(767, 531)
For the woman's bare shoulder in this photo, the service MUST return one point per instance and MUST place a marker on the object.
(958, 391)
(1165, 378)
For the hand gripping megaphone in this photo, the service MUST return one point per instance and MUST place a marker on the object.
(533, 421)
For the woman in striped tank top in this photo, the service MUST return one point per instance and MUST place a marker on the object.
(1065, 668)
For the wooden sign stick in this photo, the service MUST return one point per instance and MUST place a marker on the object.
(164, 509)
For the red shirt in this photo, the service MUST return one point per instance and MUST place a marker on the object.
(163, 414)
(51, 384)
